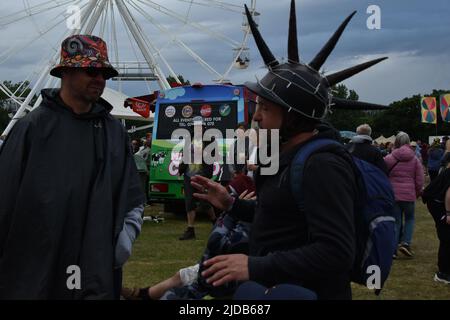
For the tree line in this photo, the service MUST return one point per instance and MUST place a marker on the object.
(402, 115)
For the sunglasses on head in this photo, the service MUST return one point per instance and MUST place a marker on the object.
(94, 72)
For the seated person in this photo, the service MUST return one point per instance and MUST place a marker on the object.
(228, 236)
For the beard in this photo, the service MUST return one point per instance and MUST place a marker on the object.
(93, 93)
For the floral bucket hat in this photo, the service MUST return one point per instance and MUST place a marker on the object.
(84, 51)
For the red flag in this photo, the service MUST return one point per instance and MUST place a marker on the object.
(139, 106)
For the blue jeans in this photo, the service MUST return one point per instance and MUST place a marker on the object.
(406, 209)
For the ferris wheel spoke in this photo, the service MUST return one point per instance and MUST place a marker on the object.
(130, 39)
(114, 33)
(216, 4)
(103, 21)
(195, 25)
(95, 16)
(156, 52)
(30, 11)
(180, 43)
(16, 49)
(137, 35)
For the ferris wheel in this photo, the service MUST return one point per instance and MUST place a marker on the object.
(148, 40)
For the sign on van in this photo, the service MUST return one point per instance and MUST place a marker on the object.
(431, 139)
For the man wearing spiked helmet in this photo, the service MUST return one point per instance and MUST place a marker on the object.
(312, 247)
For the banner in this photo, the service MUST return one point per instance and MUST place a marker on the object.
(139, 106)
(445, 102)
(428, 105)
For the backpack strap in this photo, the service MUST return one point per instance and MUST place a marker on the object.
(395, 164)
(298, 164)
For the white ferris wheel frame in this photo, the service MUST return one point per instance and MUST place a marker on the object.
(95, 10)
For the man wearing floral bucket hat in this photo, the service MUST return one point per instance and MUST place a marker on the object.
(70, 198)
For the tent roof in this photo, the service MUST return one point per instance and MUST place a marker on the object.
(391, 139)
(117, 99)
(382, 139)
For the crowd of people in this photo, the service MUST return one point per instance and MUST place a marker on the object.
(287, 244)
(407, 163)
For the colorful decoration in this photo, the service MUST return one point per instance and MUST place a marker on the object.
(428, 105)
(445, 103)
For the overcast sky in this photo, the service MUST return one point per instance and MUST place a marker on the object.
(414, 34)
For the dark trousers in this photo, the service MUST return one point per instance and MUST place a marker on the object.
(437, 210)
(251, 290)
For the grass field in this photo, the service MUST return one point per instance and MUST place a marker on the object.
(158, 254)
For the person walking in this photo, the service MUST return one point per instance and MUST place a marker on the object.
(407, 178)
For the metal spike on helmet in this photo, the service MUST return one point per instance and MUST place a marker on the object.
(322, 56)
(350, 72)
(293, 55)
(301, 87)
(266, 54)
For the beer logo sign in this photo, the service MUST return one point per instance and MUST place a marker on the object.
(170, 111)
(224, 110)
(205, 111)
(187, 111)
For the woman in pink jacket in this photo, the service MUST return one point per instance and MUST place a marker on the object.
(406, 176)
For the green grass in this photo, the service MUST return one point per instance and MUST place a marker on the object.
(158, 254)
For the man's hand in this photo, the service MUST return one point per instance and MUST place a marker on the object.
(247, 196)
(448, 219)
(213, 192)
(226, 268)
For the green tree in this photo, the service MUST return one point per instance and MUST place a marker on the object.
(352, 95)
(405, 115)
(171, 80)
(13, 87)
(345, 119)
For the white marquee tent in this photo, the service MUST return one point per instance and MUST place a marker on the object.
(381, 139)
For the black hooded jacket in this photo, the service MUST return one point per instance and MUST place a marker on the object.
(67, 181)
(367, 152)
(313, 248)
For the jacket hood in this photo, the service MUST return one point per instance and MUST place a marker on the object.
(327, 131)
(360, 138)
(52, 99)
(404, 153)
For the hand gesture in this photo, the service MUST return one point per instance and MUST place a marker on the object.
(213, 192)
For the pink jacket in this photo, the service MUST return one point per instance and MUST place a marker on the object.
(407, 176)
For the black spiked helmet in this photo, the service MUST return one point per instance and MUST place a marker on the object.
(299, 86)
